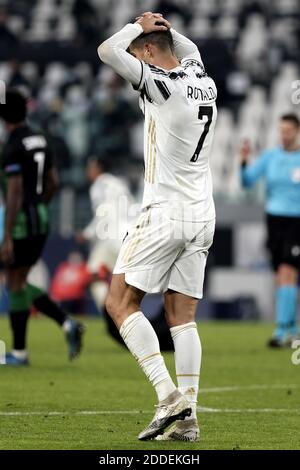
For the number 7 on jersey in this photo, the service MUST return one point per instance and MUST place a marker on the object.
(203, 111)
(39, 158)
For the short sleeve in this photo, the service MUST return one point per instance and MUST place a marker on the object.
(12, 162)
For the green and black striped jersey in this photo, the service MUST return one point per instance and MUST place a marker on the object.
(27, 153)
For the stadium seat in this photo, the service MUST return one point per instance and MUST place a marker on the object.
(16, 24)
(288, 7)
(30, 71)
(227, 28)
(200, 28)
(56, 73)
(66, 28)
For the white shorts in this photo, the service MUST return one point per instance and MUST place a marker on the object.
(161, 253)
(103, 252)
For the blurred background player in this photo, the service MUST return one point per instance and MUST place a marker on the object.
(30, 180)
(280, 168)
(110, 201)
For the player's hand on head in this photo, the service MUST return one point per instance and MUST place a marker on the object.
(245, 151)
(151, 23)
(149, 13)
(7, 251)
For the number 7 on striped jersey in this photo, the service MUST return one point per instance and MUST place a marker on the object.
(203, 111)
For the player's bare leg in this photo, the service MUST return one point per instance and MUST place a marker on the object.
(123, 304)
(16, 277)
(180, 313)
(122, 300)
(22, 297)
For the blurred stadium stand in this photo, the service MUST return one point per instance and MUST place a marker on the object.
(251, 49)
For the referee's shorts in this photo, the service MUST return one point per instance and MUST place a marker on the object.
(283, 240)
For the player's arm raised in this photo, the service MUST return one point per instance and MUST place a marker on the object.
(252, 172)
(113, 51)
(184, 47)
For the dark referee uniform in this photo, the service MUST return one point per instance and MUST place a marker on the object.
(281, 172)
(27, 153)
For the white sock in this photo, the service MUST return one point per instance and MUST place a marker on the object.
(188, 354)
(20, 353)
(142, 342)
(99, 292)
(67, 324)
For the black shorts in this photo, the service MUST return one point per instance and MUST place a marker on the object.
(27, 251)
(284, 240)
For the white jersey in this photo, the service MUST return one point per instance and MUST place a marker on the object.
(110, 200)
(180, 116)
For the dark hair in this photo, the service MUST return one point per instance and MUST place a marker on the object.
(15, 108)
(163, 40)
(292, 118)
(100, 162)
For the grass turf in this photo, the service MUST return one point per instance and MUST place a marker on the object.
(262, 412)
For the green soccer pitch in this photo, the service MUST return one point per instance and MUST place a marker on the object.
(249, 399)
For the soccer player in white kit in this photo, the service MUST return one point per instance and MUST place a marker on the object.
(110, 200)
(166, 250)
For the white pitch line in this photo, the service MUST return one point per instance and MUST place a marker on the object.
(247, 387)
(143, 412)
(248, 410)
(200, 409)
(70, 413)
